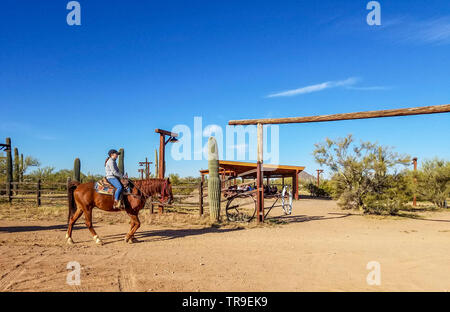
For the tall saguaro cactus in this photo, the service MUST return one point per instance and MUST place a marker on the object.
(16, 174)
(76, 170)
(121, 161)
(156, 164)
(21, 168)
(213, 180)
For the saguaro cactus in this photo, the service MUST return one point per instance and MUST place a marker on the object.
(122, 161)
(76, 170)
(21, 168)
(16, 168)
(213, 180)
(156, 164)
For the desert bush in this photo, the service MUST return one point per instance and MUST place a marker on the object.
(433, 181)
(365, 176)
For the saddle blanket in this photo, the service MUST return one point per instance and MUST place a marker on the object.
(104, 187)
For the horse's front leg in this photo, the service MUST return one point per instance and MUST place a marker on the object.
(135, 224)
(88, 219)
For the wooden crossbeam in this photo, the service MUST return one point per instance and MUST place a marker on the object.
(435, 109)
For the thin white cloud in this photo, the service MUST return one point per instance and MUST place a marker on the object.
(317, 87)
(407, 29)
(435, 31)
(373, 88)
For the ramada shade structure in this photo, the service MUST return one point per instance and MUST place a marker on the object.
(248, 170)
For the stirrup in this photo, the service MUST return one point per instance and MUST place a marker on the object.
(118, 204)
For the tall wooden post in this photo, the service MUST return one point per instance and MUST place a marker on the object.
(200, 195)
(162, 152)
(9, 169)
(8, 190)
(319, 171)
(162, 156)
(415, 180)
(260, 176)
(38, 192)
(162, 160)
(296, 185)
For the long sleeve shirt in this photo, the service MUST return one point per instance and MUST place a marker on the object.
(112, 170)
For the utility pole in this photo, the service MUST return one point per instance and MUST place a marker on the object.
(147, 164)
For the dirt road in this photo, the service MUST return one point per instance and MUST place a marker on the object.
(318, 248)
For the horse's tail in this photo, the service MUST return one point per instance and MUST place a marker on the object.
(72, 205)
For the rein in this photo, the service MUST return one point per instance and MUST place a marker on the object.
(145, 195)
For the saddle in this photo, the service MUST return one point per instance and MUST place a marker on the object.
(104, 187)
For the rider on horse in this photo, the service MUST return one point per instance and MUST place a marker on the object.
(113, 176)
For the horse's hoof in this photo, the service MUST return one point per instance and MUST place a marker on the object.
(97, 240)
(134, 240)
(129, 240)
(70, 241)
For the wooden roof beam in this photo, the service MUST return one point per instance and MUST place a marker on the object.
(436, 109)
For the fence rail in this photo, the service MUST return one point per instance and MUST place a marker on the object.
(187, 196)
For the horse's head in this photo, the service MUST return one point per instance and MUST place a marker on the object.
(167, 191)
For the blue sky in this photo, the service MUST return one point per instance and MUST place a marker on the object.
(133, 66)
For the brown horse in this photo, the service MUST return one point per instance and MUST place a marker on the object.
(83, 198)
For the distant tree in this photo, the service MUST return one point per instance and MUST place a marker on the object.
(433, 181)
(28, 162)
(365, 175)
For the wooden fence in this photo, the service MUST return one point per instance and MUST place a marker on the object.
(188, 197)
(38, 192)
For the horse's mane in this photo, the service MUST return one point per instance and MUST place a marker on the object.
(150, 186)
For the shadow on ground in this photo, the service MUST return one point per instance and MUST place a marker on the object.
(305, 218)
(167, 234)
(34, 228)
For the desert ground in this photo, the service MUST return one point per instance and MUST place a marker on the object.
(318, 248)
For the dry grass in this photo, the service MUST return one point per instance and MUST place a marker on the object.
(180, 217)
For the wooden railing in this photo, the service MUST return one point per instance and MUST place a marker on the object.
(188, 197)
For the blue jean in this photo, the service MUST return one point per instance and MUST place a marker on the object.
(117, 185)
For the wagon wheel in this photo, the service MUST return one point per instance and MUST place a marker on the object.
(241, 208)
(286, 200)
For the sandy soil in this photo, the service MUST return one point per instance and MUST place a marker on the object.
(318, 248)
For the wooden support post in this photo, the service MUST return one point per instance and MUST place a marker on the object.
(260, 177)
(200, 195)
(38, 192)
(296, 185)
(162, 147)
(415, 180)
(8, 190)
